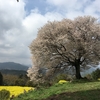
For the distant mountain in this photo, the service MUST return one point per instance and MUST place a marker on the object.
(12, 66)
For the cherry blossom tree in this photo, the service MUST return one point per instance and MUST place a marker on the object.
(60, 44)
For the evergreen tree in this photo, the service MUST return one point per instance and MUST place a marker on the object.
(1, 79)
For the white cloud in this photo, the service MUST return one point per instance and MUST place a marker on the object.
(74, 8)
(11, 28)
(18, 30)
(93, 8)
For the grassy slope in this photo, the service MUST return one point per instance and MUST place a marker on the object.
(68, 91)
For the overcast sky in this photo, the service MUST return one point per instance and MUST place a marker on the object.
(20, 21)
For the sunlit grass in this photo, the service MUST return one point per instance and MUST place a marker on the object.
(16, 90)
(81, 90)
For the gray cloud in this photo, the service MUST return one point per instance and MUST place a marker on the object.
(18, 29)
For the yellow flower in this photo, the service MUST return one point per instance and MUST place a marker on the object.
(16, 90)
(62, 81)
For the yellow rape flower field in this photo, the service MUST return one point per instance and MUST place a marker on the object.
(16, 90)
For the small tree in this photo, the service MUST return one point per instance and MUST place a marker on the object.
(65, 43)
(1, 79)
(35, 74)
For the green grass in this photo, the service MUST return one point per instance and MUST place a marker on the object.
(68, 91)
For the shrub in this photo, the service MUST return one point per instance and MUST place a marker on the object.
(89, 76)
(29, 83)
(98, 79)
(9, 80)
(96, 74)
(4, 94)
(20, 82)
(60, 77)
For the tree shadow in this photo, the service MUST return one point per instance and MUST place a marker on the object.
(84, 81)
(79, 95)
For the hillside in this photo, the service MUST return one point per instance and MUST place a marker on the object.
(13, 72)
(82, 90)
(12, 66)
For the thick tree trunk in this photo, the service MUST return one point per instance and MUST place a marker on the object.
(78, 75)
(77, 68)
